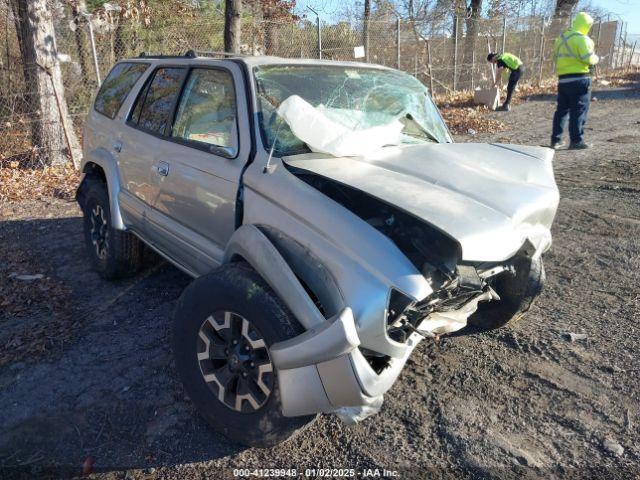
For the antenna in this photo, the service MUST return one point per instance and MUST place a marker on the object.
(267, 166)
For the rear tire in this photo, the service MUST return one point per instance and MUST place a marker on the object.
(517, 294)
(216, 372)
(114, 253)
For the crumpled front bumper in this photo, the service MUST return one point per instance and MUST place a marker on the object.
(322, 370)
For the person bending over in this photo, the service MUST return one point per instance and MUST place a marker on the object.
(515, 66)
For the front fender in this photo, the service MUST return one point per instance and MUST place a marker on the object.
(249, 243)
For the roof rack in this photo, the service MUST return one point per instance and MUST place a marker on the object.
(204, 53)
(152, 55)
(194, 54)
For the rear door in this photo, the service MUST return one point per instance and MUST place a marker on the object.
(103, 127)
(202, 161)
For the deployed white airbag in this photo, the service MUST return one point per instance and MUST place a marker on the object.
(322, 134)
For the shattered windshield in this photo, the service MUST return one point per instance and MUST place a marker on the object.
(343, 110)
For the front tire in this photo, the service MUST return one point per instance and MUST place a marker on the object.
(113, 253)
(517, 294)
(224, 324)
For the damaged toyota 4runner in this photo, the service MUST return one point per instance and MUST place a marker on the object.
(328, 220)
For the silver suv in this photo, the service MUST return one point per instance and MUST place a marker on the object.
(326, 217)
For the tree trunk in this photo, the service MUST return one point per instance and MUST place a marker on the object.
(78, 8)
(232, 25)
(564, 8)
(472, 36)
(51, 127)
(119, 47)
(365, 28)
(561, 16)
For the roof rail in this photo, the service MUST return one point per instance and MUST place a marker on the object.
(152, 55)
(201, 53)
(194, 54)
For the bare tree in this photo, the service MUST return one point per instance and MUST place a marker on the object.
(232, 25)
(51, 127)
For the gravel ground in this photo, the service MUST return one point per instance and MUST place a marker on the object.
(86, 369)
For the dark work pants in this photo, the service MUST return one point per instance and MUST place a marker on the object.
(573, 102)
(514, 78)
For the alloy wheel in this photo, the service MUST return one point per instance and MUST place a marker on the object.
(99, 231)
(234, 361)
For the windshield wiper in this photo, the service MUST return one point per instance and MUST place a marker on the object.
(415, 123)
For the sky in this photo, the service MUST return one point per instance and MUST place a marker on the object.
(627, 10)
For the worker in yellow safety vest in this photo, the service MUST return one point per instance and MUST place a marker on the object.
(510, 62)
(574, 57)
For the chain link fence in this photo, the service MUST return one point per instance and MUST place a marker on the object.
(447, 54)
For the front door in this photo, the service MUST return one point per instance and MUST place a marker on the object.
(139, 141)
(199, 168)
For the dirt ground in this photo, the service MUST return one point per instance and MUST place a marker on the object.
(86, 368)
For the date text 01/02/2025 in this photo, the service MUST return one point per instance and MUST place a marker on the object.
(315, 472)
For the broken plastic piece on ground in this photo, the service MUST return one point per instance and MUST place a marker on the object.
(28, 278)
(573, 337)
(353, 415)
(322, 134)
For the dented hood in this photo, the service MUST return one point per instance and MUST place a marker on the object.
(490, 198)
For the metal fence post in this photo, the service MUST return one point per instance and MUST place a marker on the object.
(619, 50)
(455, 55)
(491, 65)
(473, 69)
(94, 53)
(541, 65)
(429, 67)
(633, 52)
(624, 45)
(504, 33)
(398, 43)
(366, 26)
(319, 37)
(612, 49)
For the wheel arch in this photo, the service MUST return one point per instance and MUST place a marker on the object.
(294, 273)
(100, 165)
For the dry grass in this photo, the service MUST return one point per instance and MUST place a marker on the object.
(39, 309)
(23, 183)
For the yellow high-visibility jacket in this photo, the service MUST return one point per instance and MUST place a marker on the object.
(573, 50)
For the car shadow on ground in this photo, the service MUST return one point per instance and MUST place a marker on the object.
(105, 387)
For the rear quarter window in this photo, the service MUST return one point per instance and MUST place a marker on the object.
(117, 86)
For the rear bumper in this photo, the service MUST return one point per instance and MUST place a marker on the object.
(323, 370)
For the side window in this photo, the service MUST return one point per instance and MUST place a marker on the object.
(155, 102)
(206, 113)
(117, 86)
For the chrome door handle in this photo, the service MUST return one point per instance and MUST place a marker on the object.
(162, 168)
(117, 146)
